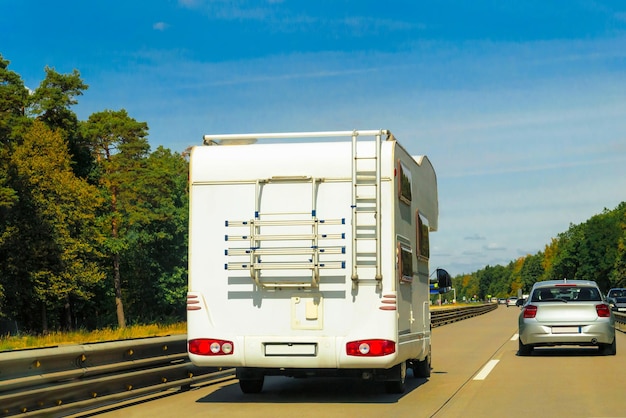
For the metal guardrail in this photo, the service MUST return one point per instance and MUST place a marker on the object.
(58, 381)
(447, 315)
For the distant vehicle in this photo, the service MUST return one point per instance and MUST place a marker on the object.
(520, 302)
(511, 301)
(566, 312)
(502, 301)
(617, 299)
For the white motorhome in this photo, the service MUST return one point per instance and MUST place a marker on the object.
(308, 255)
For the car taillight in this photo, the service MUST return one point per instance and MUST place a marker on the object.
(370, 348)
(603, 310)
(530, 311)
(211, 347)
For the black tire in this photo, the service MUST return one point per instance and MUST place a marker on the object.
(396, 382)
(421, 369)
(609, 349)
(524, 349)
(251, 385)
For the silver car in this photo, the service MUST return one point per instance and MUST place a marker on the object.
(566, 312)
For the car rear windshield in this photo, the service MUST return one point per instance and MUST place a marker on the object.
(617, 293)
(569, 293)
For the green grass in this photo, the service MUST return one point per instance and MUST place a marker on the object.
(81, 337)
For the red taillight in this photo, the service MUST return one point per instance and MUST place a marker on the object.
(530, 311)
(370, 348)
(211, 347)
(603, 310)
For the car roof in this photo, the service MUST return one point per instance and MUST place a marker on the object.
(552, 283)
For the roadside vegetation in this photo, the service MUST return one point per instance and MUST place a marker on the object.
(83, 337)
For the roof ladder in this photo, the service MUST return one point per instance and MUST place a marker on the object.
(366, 197)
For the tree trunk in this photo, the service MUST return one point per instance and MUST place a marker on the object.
(44, 319)
(117, 283)
(68, 314)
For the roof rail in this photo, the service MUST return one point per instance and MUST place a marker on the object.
(241, 139)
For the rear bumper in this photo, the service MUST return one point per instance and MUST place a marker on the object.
(294, 352)
(538, 334)
(329, 353)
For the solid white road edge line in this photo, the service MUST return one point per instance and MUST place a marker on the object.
(482, 375)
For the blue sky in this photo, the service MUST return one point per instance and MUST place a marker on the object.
(520, 105)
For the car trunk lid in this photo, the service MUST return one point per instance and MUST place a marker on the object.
(566, 312)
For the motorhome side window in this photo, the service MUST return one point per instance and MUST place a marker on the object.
(423, 245)
(405, 183)
(405, 263)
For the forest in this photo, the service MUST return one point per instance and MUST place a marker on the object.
(93, 223)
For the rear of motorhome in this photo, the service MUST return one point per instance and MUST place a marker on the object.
(309, 255)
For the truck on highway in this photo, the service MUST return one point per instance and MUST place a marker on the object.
(309, 255)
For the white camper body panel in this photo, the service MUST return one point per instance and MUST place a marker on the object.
(272, 253)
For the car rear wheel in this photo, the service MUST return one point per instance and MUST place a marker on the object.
(609, 349)
(524, 349)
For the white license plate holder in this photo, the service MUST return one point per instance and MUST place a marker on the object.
(566, 330)
(290, 349)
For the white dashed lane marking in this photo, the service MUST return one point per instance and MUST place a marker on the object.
(482, 375)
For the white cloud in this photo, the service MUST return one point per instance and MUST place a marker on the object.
(475, 237)
(161, 26)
